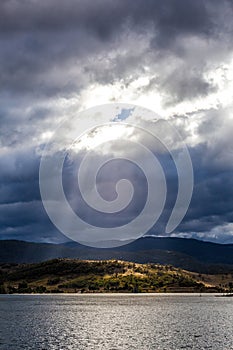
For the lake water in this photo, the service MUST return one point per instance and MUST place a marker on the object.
(112, 322)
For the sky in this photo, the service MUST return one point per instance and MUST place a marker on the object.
(60, 58)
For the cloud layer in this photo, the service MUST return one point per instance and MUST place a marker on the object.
(174, 57)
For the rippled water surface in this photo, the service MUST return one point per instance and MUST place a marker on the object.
(114, 322)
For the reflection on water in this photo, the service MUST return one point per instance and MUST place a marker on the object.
(111, 322)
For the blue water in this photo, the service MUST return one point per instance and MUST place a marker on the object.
(112, 322)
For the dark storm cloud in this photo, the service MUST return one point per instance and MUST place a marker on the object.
(106, 181)
(27, 221)
(39, 40)
(212, 197)
(56, 49)
(104, 16)
(22, 215)
(19, 177)
(186, 84)
(212, 202)
(21, 210)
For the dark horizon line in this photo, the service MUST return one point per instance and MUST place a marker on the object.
(143, 237)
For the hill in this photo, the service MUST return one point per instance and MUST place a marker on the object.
(79, 276)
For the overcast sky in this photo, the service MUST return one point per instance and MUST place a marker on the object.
(58, 58)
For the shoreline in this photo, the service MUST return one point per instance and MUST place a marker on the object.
(122, 294)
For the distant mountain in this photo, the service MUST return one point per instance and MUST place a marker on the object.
(204, 251)
(190, 254)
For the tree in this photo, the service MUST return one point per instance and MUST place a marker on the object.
(2, 289)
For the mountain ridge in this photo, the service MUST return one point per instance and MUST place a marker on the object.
(180, 252)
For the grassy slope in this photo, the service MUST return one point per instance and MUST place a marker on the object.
(72, 276)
